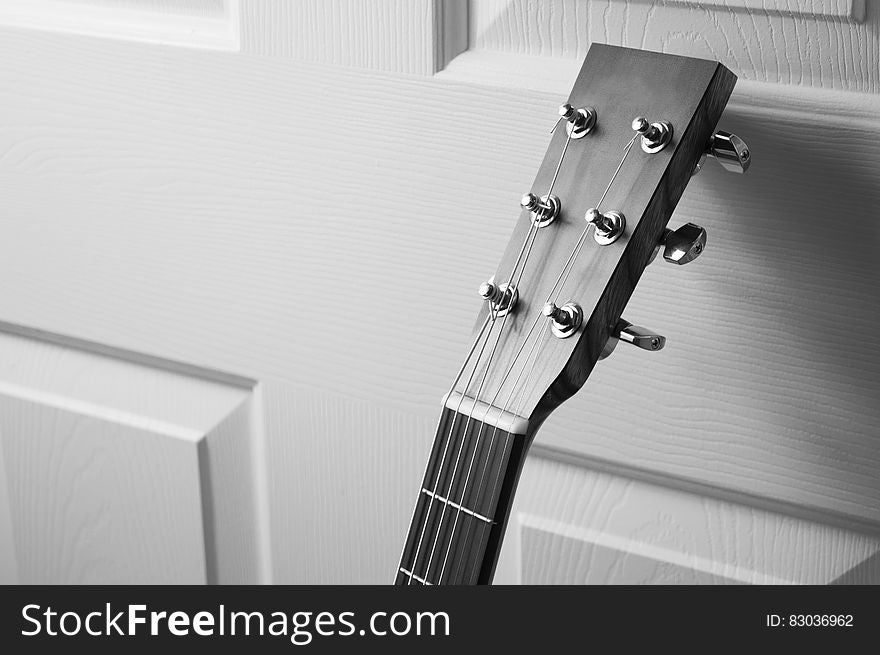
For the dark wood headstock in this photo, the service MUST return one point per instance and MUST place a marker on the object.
(621, 84)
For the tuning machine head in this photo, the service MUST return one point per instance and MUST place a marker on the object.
(608, 225)
(655, 136)
(634, 335)
(544, 209)
(579, 122)
(502, 298)
(685, 244)
(728, 150)
(565, 320)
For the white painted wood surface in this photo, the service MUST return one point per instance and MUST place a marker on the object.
(116, 471)
(194, 23)
(574, 526)
(8, 558)
(162, 200)
(820, 44)
(407, 36)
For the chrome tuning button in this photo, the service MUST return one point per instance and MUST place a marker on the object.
(655, 136)
(544, 210)
(565, 320)
(730, 151)
(609, 226)
(685, 244)
(501, 297)
(634, 335)
(580, 122)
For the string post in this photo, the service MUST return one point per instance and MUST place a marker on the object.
(544, 209)
(580, 121)
(565, 320)
(655, 136)
(609, 225)
(501, 297)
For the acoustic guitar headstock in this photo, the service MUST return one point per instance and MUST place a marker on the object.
(635, 128)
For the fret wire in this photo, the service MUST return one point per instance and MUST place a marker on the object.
(442, 526)
(415, 577)
(460, 508)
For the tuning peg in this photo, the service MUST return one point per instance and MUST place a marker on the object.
(580, 122)
(729, 150)
(565, 320)
(635, 335)
(684, 245)
(655, 136)
(609, 225)
(640, 337)
(501, 297)
(544, 209)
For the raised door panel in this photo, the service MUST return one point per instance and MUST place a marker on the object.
(119, 469)
(816, 44)
(575, 526)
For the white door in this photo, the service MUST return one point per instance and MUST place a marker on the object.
(220, 221)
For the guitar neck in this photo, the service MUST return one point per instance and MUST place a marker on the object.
(462, 508)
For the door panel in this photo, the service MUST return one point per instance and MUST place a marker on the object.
(575, 526)
(121, 469)
(277, 208)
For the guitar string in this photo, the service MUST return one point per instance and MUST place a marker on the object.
(490, 320)
(486, 413)
(530, 238)
(482, 383)
(492, 317)
(495, 431)
(440, 422)
(557, 287)
(452, 478)
(522, 393)
(626, 152)
(569, 263)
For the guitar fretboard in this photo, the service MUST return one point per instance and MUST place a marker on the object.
(463, 503)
